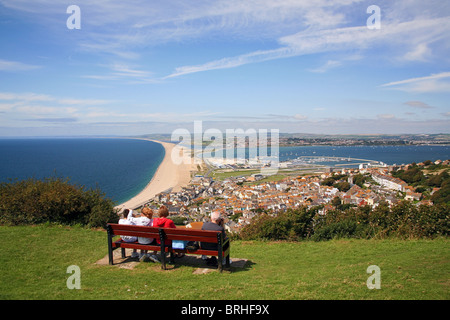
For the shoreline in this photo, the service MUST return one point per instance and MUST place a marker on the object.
(168, 176)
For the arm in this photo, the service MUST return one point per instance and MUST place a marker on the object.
(130, 215)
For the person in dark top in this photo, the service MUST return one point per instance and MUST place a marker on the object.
(216, 224)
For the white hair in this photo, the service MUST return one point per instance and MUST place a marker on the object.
(215, 215)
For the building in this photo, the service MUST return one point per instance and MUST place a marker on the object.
(389, 182)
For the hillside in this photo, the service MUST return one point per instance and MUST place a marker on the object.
(34, 263)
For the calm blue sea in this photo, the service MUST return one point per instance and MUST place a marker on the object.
(121, 168)
(387, 154)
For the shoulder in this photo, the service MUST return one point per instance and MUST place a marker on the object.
(168, 222)
(125, 221)
(211, 226)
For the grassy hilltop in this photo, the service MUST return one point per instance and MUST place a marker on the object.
(34, 263)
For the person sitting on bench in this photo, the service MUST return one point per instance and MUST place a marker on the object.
(145, 220)
(127, 216)
(216, 224)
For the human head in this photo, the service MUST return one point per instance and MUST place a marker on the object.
(146, 211)
(125, 213)
(216, 217)
(163, 211)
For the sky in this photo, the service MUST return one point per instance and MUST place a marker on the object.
(145, 66)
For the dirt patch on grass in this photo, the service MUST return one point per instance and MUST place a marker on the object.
(187, 260)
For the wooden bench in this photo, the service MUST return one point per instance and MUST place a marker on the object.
(166, 236)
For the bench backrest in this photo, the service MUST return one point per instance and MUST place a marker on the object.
(169, 233)
(130, 230)
(191, 235)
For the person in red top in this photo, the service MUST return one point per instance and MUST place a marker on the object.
(163, 222)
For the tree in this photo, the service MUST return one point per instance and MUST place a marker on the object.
(359, 180)
(343, 186)
(336, 201)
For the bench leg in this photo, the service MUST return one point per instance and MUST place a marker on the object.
(123, 253)
(110, 257)
(110, 248)
(163, 260)
(227, 261)
(220, 263)
(162, 237)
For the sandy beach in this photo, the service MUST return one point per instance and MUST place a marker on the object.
(169, 175)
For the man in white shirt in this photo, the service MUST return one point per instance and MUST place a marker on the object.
(126, 219)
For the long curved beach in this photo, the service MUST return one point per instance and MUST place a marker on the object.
(169, 175)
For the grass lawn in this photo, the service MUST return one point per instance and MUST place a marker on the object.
(34, 262)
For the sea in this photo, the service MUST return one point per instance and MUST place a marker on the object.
(390, 155)
(121, 167)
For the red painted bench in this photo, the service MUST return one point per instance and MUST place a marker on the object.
(166, 236)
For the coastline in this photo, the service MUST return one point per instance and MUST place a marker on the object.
(169, 175)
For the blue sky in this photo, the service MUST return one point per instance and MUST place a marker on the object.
(138, 67)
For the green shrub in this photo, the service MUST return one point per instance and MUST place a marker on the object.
(179, 220)
(53, 200)
(343, 229)
(403, 220)
(292, 224)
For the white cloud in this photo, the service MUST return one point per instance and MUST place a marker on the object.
(124, 72)
(31, 106)
(25, 96)
(431, 83)
(232, 62)
(386, 116)
(6, 65)
(300, 117)
(330, 40)
(330, 64)
(418, 104)
(115, 25)
(36, 110)
(6, 107)
(34, 97)
(419, 79)
(300, 27)
(420, 53)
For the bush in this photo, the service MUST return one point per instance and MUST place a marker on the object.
(292, 224)
(54, 200)
(403, 220)
(179, 220)
(343, 229)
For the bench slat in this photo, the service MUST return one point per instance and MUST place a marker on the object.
(125, 227)
(137, 234)
(191, 238)
(200, 252)
(192, 232)
(136, 245)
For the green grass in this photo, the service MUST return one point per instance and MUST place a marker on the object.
(34, 261)
(222, 175)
